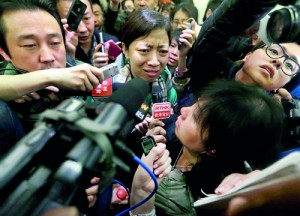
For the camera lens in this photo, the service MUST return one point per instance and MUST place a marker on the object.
(284, 25)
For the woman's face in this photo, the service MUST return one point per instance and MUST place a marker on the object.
(129, 6)
(148, 55)
(261, 70)
(179, 18)
(173, 53)
(187, 130)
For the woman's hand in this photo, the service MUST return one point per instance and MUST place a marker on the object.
(92, 191)
(233, 180)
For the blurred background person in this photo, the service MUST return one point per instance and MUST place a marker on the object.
(98, 11)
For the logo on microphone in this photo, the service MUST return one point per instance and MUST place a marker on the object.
(161, 110)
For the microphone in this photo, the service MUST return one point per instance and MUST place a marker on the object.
(121, 107)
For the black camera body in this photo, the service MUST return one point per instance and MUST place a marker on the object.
(284, 24)
(292, 135)
(53, 164)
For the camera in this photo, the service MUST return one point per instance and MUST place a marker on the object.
(292, 111)
(284, 24)
(53, 164)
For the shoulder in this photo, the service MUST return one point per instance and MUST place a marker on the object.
(7, 68)
(166, 74)
(107, 37)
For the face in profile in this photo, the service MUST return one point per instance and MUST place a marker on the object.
(187, 130)
(34, 40)
(261, 70)
(148, 55)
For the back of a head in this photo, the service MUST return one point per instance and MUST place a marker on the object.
(212, 5)
(244, 123)
(141, 23)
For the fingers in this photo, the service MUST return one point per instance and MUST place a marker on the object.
(157, 131)
(62, 211)
(100, 59)
(82, 77)
(155, 122)
(64, 21)
(52, 88)
(98, 75)
(89, 76)
(159, 159)
(95, 180)
(282, 94)
(144, 125)
(238, 205)
(233, 180)
(159, 138)
(92, 200)
(92, 195)
(229, 182)
(187, 37)
(29, 97)
(162, 166)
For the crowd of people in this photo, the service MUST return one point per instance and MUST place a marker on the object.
(222, 83)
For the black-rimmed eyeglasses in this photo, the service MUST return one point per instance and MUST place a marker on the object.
(289, 67)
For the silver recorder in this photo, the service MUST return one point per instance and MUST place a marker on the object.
(110, 70)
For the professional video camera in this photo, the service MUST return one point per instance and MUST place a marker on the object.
(53, 164)
(284, 24)
(292, 110)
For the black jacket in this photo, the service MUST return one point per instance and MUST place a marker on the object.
(82, 56)
(207, 58)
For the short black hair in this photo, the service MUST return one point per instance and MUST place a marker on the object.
(186, 7)
(212, 4)
(141, 23)
(31, 5)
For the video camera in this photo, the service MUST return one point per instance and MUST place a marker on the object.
(292, 111)
(53, 164)
(284, 24)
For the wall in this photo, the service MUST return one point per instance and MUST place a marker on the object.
(201, 5)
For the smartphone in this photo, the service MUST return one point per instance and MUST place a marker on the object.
(75, 14)
(114, 49)
(190, 20)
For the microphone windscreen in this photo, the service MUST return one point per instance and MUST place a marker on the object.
(131, 95)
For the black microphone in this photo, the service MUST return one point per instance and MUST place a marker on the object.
(121, 107)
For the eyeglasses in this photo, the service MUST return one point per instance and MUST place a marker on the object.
(289, 67)
(178, 22)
